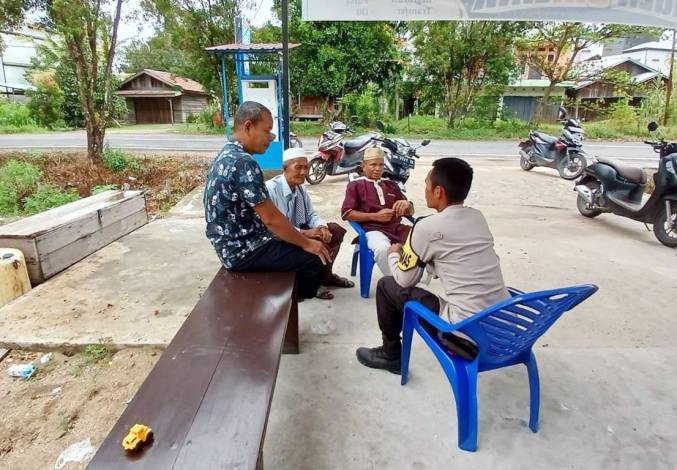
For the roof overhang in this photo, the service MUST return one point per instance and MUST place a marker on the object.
(148, 93)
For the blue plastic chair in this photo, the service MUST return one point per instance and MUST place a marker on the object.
(365, 257)
(504, 334)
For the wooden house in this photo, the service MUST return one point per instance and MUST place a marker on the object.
(157, 97)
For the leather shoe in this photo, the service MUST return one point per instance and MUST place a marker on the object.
(376, 359)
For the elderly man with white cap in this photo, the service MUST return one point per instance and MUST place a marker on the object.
(287, 193)
(378, 205)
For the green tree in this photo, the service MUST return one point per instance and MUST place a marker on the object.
(53, 59)
(11, 15)
(158, 52)
(89, 34)
(46, 101)
(552, 47)
(336, 58)
(187, 27)
(461, 60)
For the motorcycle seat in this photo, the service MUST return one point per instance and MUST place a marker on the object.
(631, 173)
(548, 139)
(353, 145)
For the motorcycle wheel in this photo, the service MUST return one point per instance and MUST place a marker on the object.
(526, 164)
(582, 206)
(666, 230)
(573, 167)
(317, 170)
(295, 142)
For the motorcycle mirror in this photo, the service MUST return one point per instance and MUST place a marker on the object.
(652, 126)
(425, 142)
(562, 112)
(380, 126)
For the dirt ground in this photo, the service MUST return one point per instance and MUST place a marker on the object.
(68, 400)
(166, 179)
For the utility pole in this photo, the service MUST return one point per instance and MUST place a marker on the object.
(668, 93)
(285, 72)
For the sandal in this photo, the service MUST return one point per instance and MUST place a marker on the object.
(324, 294)
(338, 281)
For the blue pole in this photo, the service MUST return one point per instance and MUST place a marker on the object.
(226, 113)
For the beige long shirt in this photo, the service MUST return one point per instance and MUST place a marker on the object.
(457, 247)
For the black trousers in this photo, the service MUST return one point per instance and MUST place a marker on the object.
(390, 300)
(278, 256)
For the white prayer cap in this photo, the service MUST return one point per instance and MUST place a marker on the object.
(373, 153)
(293, 153)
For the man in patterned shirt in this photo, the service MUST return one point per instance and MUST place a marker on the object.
(244, 226)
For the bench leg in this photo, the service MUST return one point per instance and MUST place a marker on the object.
(291, 336)
(259, 462)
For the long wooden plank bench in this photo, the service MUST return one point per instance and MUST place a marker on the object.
(208, 397)
(55, 239)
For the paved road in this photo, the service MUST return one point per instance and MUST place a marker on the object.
(171, 142)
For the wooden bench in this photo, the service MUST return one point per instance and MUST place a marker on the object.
(55, 239)
(208, 397)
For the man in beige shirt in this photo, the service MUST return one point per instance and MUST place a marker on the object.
(454, 245)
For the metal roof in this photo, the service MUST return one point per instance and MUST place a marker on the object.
(148, 93)
(186, 84)
(250, 48)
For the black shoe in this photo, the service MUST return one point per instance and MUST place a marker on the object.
(376, 359)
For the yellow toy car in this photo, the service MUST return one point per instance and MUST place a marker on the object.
(138, 435)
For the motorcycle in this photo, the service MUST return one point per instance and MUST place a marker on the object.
(610, 186)
(294, 141)
(564, 154)
(336, 155)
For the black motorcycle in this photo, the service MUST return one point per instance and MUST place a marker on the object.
(564, 154)
(399, 157)
(336, 155)
(610, 186)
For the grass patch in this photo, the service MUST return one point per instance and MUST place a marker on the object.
(102, 188)
(95, 353)
(48, 197)
(118, 160)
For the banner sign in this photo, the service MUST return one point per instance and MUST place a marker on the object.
(640, 12)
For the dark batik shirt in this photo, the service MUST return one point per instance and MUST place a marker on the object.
(234, 186)
(361, 195)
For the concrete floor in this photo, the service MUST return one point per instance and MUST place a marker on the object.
(608, 378)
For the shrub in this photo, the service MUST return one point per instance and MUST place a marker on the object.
(102, 188)
(118, 160)
(17, 180)
(15, 115)
(361, 108)
(46, 101)
(47, 197)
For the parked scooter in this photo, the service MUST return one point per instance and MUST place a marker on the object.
(337, 156)
(564, 154)
(294, 141)
(610, 186)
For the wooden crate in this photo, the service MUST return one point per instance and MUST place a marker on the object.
(55, 239)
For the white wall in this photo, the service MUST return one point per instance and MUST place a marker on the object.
(657, 60)
(16, 57)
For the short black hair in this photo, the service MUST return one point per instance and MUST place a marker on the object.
(454, 175)
(250, 111)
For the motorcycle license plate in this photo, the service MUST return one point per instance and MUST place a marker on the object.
(405, 162)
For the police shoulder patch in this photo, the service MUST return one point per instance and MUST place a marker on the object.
(409, 259)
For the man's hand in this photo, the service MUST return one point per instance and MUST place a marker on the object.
(316, 247)
(321, 233)
(325, 234)
(395, 248)
(402, 208)
(383, 216)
